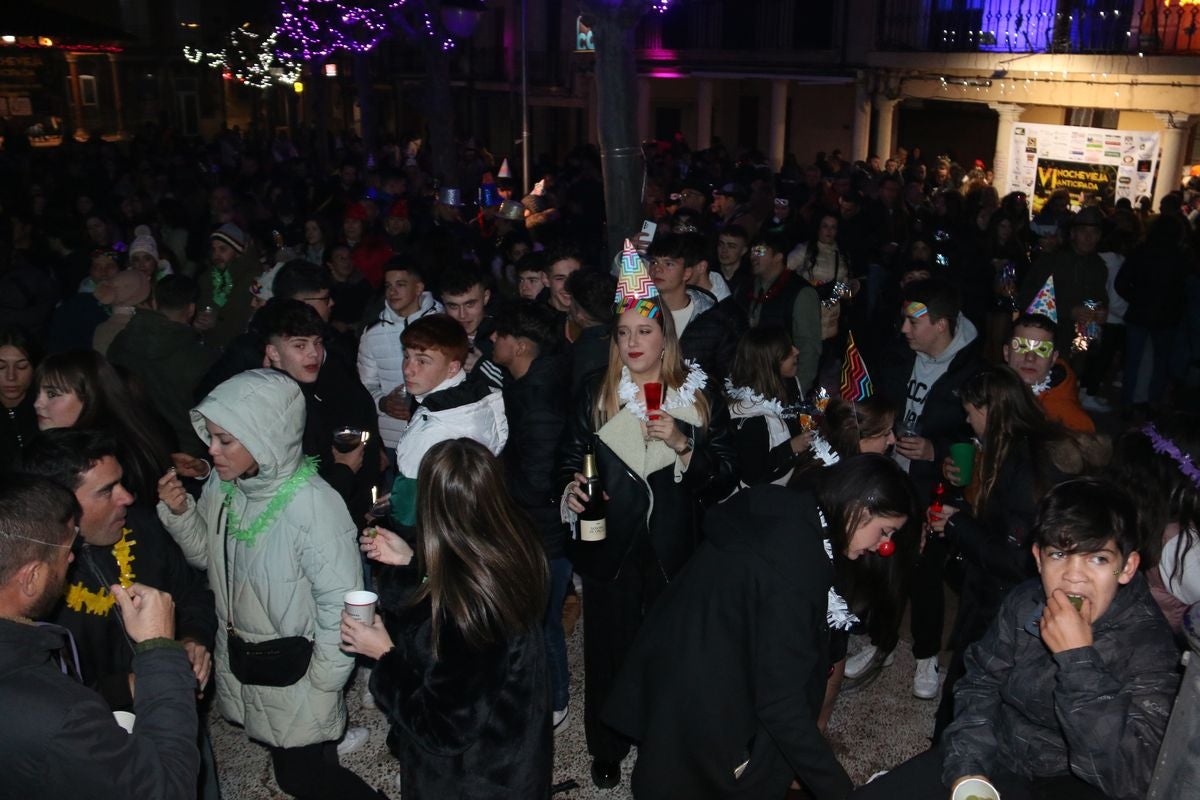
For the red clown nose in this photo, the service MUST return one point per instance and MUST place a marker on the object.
(886, 548)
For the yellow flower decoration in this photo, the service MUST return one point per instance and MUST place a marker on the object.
(101, 601)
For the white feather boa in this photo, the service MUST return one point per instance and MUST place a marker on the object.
(627, 391)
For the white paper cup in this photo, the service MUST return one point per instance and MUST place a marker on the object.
(977, 788)
(361, 606)
(125, 720)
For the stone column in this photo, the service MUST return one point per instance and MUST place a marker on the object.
(644, 122)
(778, 126)
(76, 93)
(116, 82)
(1172, 137)
(860, 141)
(704, 114)
(1002, 159)
(885, 114)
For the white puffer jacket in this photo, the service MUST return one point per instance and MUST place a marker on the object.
(290, 581)
(482, 420)
(381, 361)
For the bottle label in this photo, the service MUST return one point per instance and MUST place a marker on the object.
(592, 530)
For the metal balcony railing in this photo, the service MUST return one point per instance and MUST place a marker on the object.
(1160, 27)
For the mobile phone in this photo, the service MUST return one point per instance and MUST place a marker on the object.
(648, 229)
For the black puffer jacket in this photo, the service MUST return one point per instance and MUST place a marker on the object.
(710, 339)
(1097, 712)
(536, 407)
(666, 511)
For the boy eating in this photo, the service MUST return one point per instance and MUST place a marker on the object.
(1068, 694)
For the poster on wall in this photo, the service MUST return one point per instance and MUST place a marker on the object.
(1083, 161)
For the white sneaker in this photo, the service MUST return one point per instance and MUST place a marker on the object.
(864, 659)
(354, 739)
(559, 717)
(926, 682)
(1094, 403)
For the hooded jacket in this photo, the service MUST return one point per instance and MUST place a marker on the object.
(291, 580)
(170, 360)
(60, 740)
(929, 387)
(381, 360)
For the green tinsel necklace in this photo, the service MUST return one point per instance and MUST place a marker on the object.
(282, 497)
(222, 283)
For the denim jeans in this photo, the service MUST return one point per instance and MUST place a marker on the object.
(556, 640)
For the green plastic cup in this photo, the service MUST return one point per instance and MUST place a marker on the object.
(963, 454)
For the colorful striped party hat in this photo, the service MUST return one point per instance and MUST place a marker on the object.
(634, 288)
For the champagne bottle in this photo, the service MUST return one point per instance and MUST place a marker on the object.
(592, 522)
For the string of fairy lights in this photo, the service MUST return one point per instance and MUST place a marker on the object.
(250, 58)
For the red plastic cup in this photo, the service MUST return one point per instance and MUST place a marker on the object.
(653, 392)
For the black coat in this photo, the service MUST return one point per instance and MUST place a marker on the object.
(672, 520)
(470, 725)
(996, 547)
(59, 738)
(337, 399)
(732, 661)
(589, 355)
(105, 652)
(536, 408)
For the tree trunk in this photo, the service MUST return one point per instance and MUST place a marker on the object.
(439, 106)
(320, 107)
(365, 90)
(613, 25)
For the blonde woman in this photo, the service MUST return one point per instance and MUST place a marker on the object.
(658, 468)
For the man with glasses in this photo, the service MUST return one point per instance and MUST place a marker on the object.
(780, 297)
(1031, 353)
(58, 737)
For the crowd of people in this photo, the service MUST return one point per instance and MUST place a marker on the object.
(241, 382)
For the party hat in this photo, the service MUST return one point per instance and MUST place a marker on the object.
(634, 288)
(504, 170)
(1044, 303)
(856, 383)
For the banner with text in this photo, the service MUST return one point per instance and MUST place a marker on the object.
(1084, 161)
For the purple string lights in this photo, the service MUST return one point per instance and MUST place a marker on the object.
(312, 29)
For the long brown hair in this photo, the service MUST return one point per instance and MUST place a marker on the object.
(845, 424)
(487, 573)
(674, 373)
(109, 404)
(1013, 419)
(760, 352)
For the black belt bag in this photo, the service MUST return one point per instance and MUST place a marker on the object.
(276, 662)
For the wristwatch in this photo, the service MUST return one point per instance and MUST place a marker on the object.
(691, 442)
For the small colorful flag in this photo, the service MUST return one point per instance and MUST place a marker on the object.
(856, 383)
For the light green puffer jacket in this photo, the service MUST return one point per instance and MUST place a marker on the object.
(292, 580)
